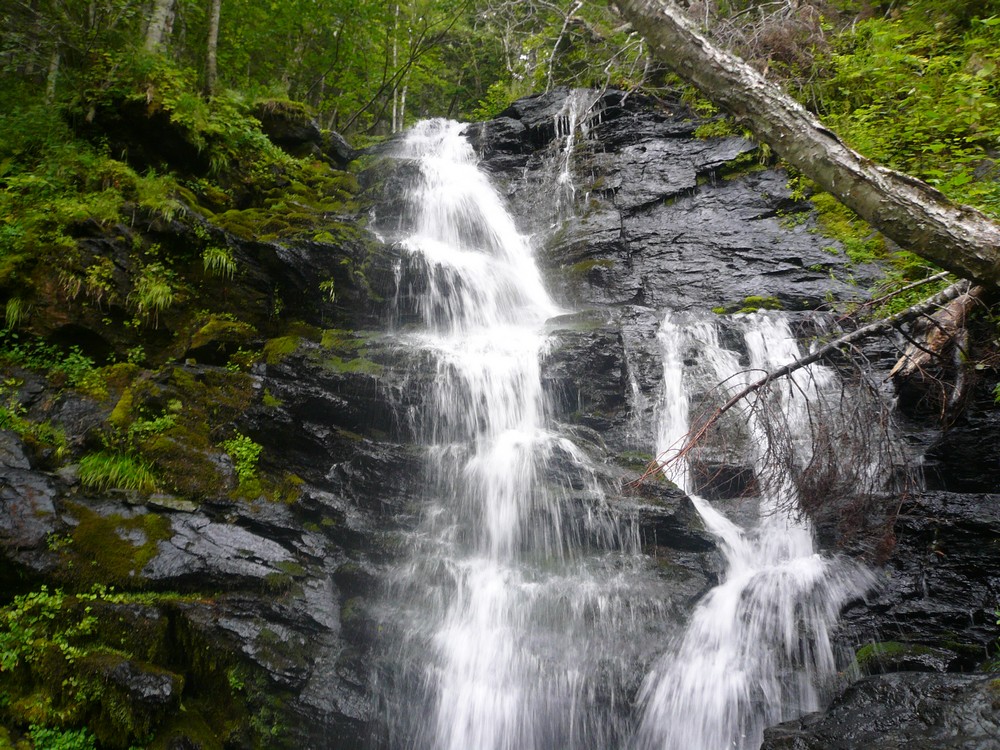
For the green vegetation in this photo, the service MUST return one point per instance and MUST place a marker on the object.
(750, 304)
(917, 91)
(104, 471)
(59, 652)
(245, 454)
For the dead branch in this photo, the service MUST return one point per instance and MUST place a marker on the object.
(921, 376)
(874, 303)
(696, 436)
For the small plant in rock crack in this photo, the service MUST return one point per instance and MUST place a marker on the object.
(245, 454)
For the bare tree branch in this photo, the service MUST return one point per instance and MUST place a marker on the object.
(697, 435)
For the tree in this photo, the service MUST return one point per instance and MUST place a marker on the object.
(159, 21)
(918, 217)
(211, 65)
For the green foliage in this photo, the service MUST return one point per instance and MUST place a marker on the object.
(70, 366)
(154, 292)
(245, 454)
(277, 349)
(42, 437)
(918, 92)
(218, 261)
(104, 471)
(58, 739)
(15, 313)
(56, 652)
(497, 99)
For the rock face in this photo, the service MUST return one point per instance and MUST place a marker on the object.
(903, 710)
(277, 591)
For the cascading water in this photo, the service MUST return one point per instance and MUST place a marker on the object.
(758, 645)
(525, 595)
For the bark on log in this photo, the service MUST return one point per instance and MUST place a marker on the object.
(913, 214)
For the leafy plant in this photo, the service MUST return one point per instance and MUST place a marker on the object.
(245, 454)
(218, 261)
(154, 292)
(76, 368)
(104, 471)
(60, 739)
(14, 313)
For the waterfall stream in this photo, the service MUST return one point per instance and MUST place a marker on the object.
(758, 647)
(526, 591)
(526, 616)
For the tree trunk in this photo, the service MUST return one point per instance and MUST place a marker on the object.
(158, 19)
(211, 62)
(53, 76)
(921, 219)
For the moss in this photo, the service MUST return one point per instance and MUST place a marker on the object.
(342, 341)
(112, 549)
(221, 332)
(584, 267)
(869, 656)
(753, 303)
(290, 567)
(184, 461)
(861, 243)
(360, 365)
(275, 350)
(635, 460)
(288, 490)
(750, 304)
(269, 400)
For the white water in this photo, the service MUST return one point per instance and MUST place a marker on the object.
(525, 616)
(525, 597)
(757, 649)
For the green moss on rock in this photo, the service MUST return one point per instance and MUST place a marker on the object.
(112, 549)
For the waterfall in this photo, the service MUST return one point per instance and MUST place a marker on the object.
(757, 647)
(521, 609)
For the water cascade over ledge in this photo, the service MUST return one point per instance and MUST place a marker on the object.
(526, 615)
(758, 646)
(526, 594)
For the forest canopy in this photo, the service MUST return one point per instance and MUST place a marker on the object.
(912, 85)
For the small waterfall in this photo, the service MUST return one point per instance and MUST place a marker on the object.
(758, 647)
(520, 613)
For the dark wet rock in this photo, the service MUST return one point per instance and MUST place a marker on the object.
(962, 457)
(881, 658)
(584, 374)
(152, 689)
(940, 584)
(12, 452)
(659, 221)
(714, 246)
(667, 518)
(903, 710)
(291, 127)
(27, 499)
(214, 554)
